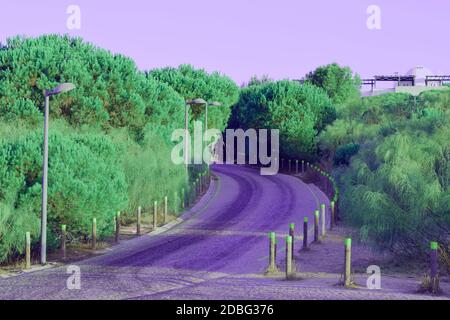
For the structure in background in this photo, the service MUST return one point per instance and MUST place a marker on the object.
(415, 81)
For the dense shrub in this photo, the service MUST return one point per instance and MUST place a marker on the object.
(339, 83)
(298, 111)
(193, 83)
(149, 172)
(396, 189)
(85, 181)
(344, 153)
(110, 91)
(110, 141)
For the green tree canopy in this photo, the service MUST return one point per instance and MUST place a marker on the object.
(393, 166)
(85, 181)
(339, 82)
(298, 111)
(110, 91)
(193, 83)
(110, 145)
(255, 80)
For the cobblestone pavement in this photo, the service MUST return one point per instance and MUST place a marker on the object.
(220, 252)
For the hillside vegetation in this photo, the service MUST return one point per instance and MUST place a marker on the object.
(109, 144)
(298, 111)
(389, 153)
(392, 157)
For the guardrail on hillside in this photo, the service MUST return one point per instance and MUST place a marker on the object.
(312, 173)
(309, 173)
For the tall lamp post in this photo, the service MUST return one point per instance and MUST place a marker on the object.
(193, 103)
(209, 104)
(64, 87)
(189, 103)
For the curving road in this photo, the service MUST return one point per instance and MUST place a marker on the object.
(219, 251)
(224, 235)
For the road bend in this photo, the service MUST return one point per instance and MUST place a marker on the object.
(219, 252)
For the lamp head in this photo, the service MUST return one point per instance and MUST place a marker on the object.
(196, 102)
(61, 88)
(214, 104)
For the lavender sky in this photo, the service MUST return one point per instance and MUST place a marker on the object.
(241, 38)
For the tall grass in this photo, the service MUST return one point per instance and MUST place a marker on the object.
(91, 174)
(396, 188)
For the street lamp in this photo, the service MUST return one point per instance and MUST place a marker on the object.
(64, 87)
(210, 104)
(193, 103)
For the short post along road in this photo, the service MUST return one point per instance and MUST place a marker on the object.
(220, 252)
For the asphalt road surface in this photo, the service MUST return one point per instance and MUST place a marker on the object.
(220, 251)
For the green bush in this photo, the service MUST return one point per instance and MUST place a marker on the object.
(338, 82)
(344, 153)
(193, 83)
(298, 111)
(150, 174)
(396, 188)
(85, 181)
(402, 203)
(110, 91)
(110, 138)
